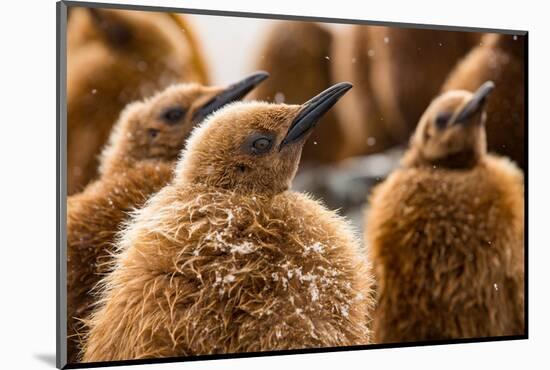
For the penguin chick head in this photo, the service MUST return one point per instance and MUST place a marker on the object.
(253, 147)
(156, 128)
(451, 132)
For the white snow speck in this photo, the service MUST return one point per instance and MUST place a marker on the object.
(386, 39)
(279, 98)
(371, 141)
(370, 53)
(314, 143)
(94, 91)
(495, 285)
(314, 291)
(515, 37)
(229, 278)
(327, 57)
(243, 248)
(316, 247)
(344, 310)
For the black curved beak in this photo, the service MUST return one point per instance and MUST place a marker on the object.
(312, 111)
(232, 93)
(476, 103)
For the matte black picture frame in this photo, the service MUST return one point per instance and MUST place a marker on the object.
(61, 175)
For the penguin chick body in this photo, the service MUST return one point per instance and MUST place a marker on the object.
(138, 162)
(445, 233)
(115, 57)
(500, 58)
(226, 259)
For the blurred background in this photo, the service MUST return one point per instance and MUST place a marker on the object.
(115, 57)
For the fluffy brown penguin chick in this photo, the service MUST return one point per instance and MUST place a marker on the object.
(226, 259)
(445, 232)
(138, 162)
(500, 58)
(115, 57)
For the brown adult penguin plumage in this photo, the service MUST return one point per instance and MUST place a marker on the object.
(445, 232)
(138, 162)
(297, 55)
(500, 58)
(115, 57)
(396, 72)
(226, 259)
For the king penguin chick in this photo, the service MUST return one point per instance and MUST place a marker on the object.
(500, 58)
(446, 231)
(227, 259)
(138, 162)
(115, 57)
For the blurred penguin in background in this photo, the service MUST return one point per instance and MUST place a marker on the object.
(115, 57)
(500, 58)
(137, 162)
(446, 232)
(396, 71)
(226, 259)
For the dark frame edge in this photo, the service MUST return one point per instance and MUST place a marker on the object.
(526, 187)
(288, 17)
(292, 352)
(61, 193)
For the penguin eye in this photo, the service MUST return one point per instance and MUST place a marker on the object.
(261, 145)
(258, 143)
(153, 133)
(173, 115)
(442, 119)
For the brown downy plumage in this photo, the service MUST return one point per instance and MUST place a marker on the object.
(445, 232)
(226, 259)
(397, 71)
(299, 67)
(115, 57)
(138, 161)
(499, 58)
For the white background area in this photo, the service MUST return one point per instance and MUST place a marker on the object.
(28, 178)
